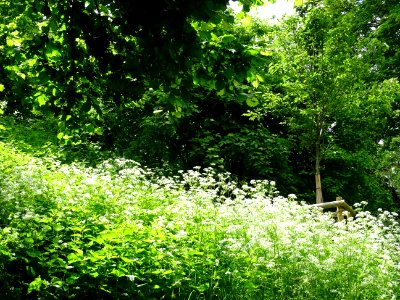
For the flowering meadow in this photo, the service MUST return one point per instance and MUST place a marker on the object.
(121, 231)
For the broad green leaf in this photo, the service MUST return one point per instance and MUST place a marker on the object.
(35, 285)
(98, 131)
(94, 256)
(117, 273)
(72, 257)
(1, 87)
(166, 272)
(14, 41)
(228, 38)
(31, 62)
(41, 99)
(260, 78)
(79, 251)
(127, 260)
(33, 253)
(266, 53)
(252, 52)
(205, 35)
(221, 92)
(252, 101)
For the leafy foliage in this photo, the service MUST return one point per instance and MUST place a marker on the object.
(185, 83)
(119, 231)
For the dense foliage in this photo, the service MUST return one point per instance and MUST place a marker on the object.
(179, 84)
(107, 111)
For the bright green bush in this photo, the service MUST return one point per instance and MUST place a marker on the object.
(118, 231)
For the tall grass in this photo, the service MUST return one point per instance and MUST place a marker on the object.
(119, 231)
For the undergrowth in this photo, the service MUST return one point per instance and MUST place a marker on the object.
(119, 231)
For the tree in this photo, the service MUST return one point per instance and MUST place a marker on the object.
(81, 59)
(325, 86)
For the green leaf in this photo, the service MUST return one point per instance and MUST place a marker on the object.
(228, 38)
(266, 53)
(52, 53)
(252, 101)
(14, 42)
(255, 83)
(117, 273)
(203, 287)
(35, 285)
(72, 257)
(79, 251)
(252, 52)
(260, 78)
(1, 87)
(127, 260)
(98, 131)
(41, 99)
(247, 20)
(33, 253)
(205, 35)
(221, 92)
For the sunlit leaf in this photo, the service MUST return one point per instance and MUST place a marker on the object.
(35, 285)
(228, 38)
(252, 101)
(41, 99)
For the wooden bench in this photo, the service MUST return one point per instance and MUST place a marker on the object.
(341, 208)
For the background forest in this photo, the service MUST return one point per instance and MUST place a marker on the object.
(103, 104)
(176, 85)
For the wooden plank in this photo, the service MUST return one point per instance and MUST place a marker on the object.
(331, 204)
(349, 209)
(337, 204)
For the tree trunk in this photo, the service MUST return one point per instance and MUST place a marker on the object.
(318, 186)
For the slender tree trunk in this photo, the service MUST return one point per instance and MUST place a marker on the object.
(318, 186)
